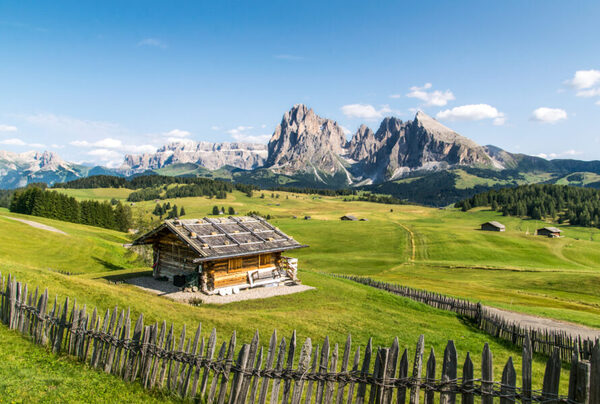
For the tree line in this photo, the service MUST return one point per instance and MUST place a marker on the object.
(36, 201)
(561, 203)
(149, 187)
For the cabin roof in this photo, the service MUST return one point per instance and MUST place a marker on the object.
(551, 229)
(225, 237)
(349, 217)
(495, 224)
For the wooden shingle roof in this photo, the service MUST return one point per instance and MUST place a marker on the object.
(226, 237)
(495, 224)
(551, 229)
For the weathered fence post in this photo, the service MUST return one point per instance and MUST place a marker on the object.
(449, 371)
(552, 378)
(430, 378)
(526, 370)
(509, 383)
(595, 374)
(417, 370)
(487, 376)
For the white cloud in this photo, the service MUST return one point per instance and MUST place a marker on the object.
(287, 56)
(435, 98)
(215, 127)
(105, 154)
(567, 153)
(590, 92)
(345, 130)
(586, 82)
(239, 130)
(244, 138)
(37, 145)
(178, 133)
(13, 142)
(598, 102)
(179, 140)
(585, 79)
(365, 111)
(115, 145)
(548, 115)
(473, 112)
(8, 128)
(153, 42)
(240, 134)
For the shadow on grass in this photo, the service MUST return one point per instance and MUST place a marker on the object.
(128, 275)
(108, 265)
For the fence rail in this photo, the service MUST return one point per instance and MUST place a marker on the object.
(544, 341)
(284, 371)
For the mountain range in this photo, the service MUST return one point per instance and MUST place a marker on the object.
(310, 151)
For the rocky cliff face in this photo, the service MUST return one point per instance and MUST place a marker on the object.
(305, 142)
(20, 169)
(422, 144)
(209, 155)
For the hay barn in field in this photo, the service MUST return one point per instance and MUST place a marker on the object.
(221, 254)
(493, 226)
(552, 232)
(349, 217)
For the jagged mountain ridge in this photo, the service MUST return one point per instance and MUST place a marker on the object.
(307, 150)
(209, 155)
(305, 143)
(20, 169)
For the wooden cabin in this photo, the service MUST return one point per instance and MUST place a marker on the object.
(552, 232)
(349, 217)
(221, 255)
(493, 226)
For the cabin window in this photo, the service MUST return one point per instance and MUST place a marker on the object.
(250, 262)
(235, 263)
(266, 260)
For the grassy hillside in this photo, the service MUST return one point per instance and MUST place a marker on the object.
(30, 374)
(515, 269)
(335, 308)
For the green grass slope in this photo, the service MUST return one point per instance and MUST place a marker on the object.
(335, 308)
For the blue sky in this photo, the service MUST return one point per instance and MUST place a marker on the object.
(95, 80)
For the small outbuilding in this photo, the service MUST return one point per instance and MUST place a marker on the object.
(552, 232)
(493, 226)
(221, 254)
(349, 217)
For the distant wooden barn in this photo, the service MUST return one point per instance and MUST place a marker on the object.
(549, 232)
(493, 226)
(221, 254)
(349, 217)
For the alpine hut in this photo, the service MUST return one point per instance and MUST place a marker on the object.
(221, 254)
(552, 232)
(493, 226)
(349, 217)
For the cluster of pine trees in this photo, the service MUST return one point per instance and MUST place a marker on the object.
(577, 206)
(51, 204)
(221, 211)
(166, 209)
(149, 187)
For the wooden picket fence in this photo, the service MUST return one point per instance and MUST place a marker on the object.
(543, 341)
(188, 368)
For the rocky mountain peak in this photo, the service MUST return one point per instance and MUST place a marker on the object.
(305, 141)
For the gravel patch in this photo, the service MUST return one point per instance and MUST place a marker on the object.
(37, 225)
(534, 322)
(167, 289)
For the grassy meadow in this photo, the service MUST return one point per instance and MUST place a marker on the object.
(434, 249)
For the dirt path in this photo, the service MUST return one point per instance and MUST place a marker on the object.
(412, 241)
(534, 322)
(37, 225)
